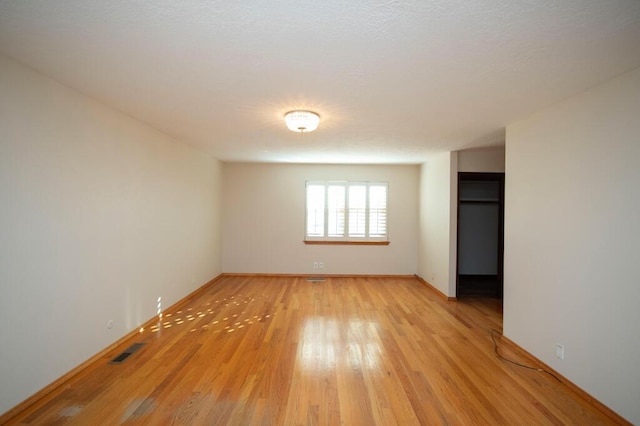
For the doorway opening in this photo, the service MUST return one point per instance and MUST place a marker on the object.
(479, 271)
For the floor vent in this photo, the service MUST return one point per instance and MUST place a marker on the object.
(316, 279)
(126, 354)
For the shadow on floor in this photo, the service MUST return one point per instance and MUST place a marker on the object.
(479, 286)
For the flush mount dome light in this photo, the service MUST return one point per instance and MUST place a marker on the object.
(302, 121)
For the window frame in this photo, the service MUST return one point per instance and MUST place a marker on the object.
(367, 239)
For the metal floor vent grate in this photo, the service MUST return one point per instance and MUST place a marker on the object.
(126, 354)
(316, 279)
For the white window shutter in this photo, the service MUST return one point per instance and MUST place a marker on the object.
(336, 211)
(346, 211)
(377, 211)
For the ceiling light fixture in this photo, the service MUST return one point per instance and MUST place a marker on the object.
(302, 121)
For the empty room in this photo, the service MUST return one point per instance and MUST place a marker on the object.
(319, 213)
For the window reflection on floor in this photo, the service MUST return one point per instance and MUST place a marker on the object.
(326, 342)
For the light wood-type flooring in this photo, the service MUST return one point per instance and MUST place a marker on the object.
(347, 351)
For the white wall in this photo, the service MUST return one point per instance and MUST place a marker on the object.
(438, 222)
(100, 215)
(572, 251)
(263, 220)
(482, 160)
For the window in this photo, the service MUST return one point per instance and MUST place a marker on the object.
(346, 212)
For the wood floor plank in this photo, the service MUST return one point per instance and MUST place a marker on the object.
(286, 351)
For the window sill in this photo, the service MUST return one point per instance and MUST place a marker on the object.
(347, 243)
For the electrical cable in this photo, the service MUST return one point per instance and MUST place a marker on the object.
(495, 349)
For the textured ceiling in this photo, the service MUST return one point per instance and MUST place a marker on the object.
(394, 81)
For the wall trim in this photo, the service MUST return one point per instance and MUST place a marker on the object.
(269, 275)
(568, 383)
(59, 382)
(441, 294)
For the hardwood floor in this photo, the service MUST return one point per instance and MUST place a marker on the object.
(285, 351)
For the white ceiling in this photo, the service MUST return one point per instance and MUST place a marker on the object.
(394, 81)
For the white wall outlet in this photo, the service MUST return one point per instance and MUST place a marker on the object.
(560, 351)
(109, 324)
(321, 265)
(315, 265)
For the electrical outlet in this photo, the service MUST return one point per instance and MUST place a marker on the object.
(315, 265)
(560, 351)
(321, 265)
